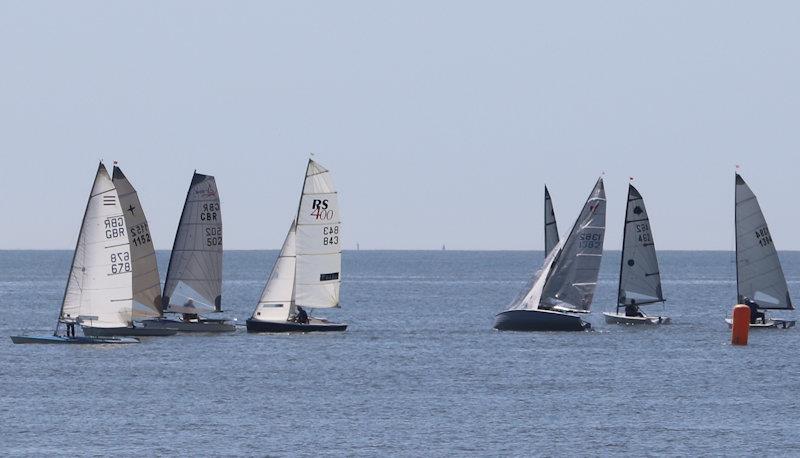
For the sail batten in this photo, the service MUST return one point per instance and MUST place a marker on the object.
(759, 275)
(639, 277)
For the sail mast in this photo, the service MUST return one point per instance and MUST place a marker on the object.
(736, 233)
(624, 240)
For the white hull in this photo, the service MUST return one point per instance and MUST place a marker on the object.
(620, 318)
(772, 323)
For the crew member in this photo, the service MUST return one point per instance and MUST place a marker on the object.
(302, 316)
(754, 313)
(633, 310)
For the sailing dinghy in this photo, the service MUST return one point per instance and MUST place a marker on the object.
(759, 275)
(565, 285)
(194, 276)
(550, 226)
(100, 283)
(307, 271)
(639, 278)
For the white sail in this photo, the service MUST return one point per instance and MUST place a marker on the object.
(530, 296)
(99, 289)
(573, 278)
(318, 246)
(146, 282)
(550, 226)
(194, 276)
(759, 275)
(639, 278)
(276, 299)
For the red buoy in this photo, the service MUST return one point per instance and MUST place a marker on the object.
(741, 324)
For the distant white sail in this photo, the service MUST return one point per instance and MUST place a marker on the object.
(276, 299)
(146, 282)
(569, 274)
(100, 285)
(194, 276)
(318, 246)
(759, 275)
(639, 278)
(550, 226)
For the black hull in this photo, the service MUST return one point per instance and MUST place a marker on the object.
(539, 320)
(271, 326)
(79, 340)
(135, 332)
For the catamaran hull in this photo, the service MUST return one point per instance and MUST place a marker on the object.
(72, 340)
(772, 323)
(139, 331)
(204, 325)
(620, 318)
(285, 326)
(538, 320)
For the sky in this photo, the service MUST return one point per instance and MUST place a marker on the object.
(441, 122)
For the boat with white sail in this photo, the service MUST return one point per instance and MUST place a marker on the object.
(564, 287)
(639, 277)
(98, 295)
(307, 272)
(193, 284)
(760, 282)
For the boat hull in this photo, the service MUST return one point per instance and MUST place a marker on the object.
(620, 318)
(286, 326)
(72, 340)
(138, 331)
(772, 323)
(203, 325)
(538, 320)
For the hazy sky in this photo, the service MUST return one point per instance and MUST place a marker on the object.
(441, 121)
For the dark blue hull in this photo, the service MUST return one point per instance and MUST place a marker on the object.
(72, 340)
(538, 320)
(272, 326)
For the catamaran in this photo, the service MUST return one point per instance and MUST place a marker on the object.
(564, 287)
(307, 271)
(100, 282)
(639, 277)
(194, 277)
(759, 275)
(550, 226)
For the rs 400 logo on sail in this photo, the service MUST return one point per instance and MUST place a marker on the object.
(320, 211)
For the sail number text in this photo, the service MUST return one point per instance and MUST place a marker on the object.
(330, 235)
(115, 227)
(120, 262)
(644, 233)
(210, 211)
(213, 236)
(763, 236)
(593, 240)
(140, 234)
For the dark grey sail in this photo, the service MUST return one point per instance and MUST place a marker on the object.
(550, 226)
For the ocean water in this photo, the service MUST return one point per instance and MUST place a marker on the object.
(419, 372)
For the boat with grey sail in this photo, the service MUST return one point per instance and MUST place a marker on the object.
(639, 276)
(193, 284)
(564, 287)
(550, 226)
(760, 281)
(100, 283)
(307, 272)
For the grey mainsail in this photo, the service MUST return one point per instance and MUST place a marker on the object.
(759, 275)
(194, 276)
(146, 281)
(639, 277)
(550, 226)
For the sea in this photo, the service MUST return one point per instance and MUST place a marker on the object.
(419, 372)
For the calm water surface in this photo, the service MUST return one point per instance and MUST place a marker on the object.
(419, 372)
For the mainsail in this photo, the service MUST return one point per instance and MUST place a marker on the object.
(100, 282)
(317, 243)
(550, 226)
(146, 282)
(276, 299)
(759, 275)
(194, 276)
(569, 275)
(639, 278)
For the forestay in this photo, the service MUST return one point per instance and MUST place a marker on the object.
(194, 276)
(318, 248)
(146, 282)
(550, 226)
(100, 283)
(759, 275)
(639, 277)
(276, 299)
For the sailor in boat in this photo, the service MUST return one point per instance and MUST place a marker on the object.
(754, 313)
(70, 328)
(302, 316)
(632, 310)
(189, 317)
